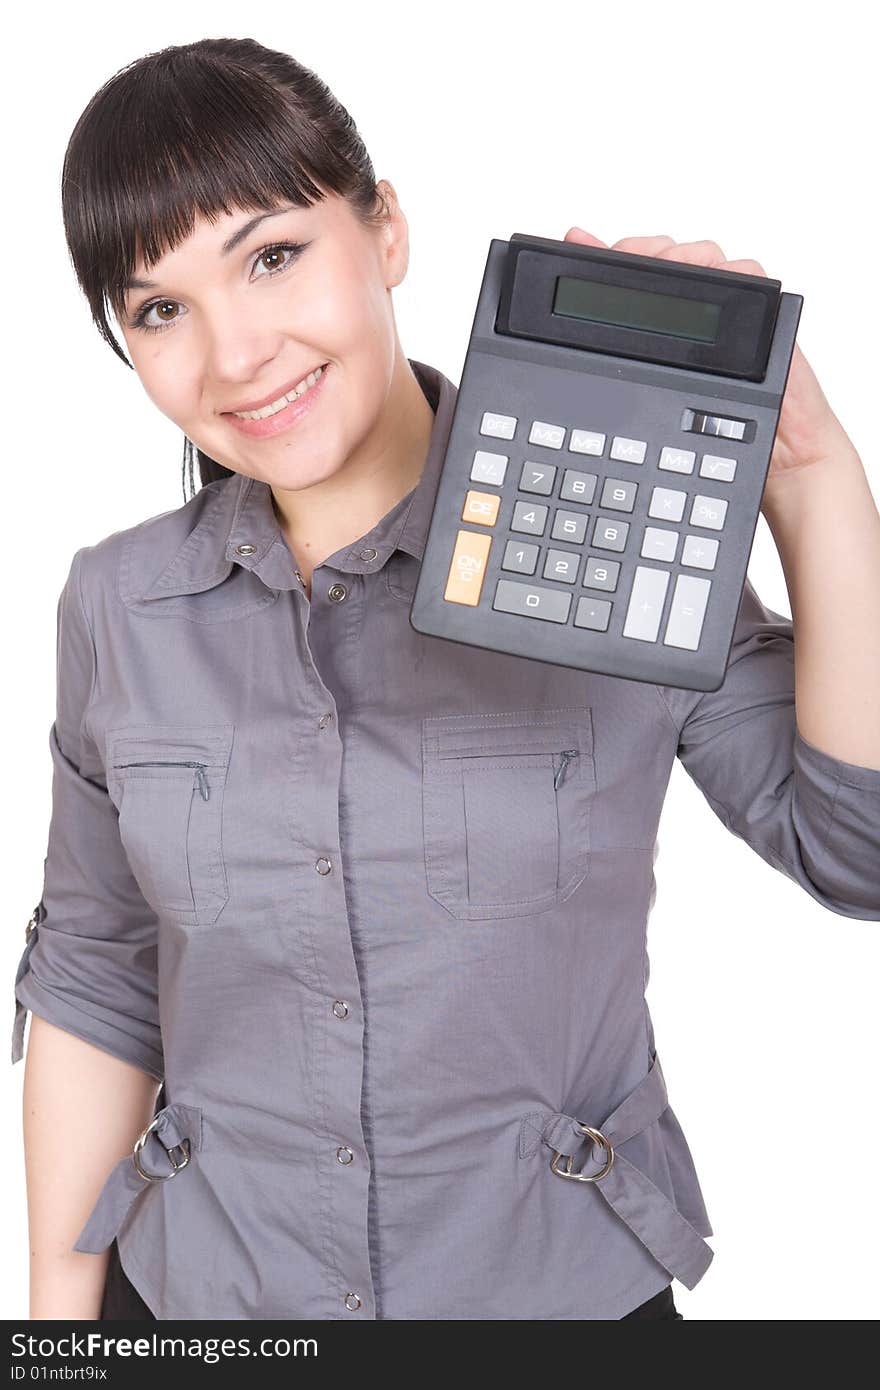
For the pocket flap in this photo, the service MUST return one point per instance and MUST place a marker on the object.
(516, 732)
(204, 743)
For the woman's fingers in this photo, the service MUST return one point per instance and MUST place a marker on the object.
(643, 245)
(583, 238)
(707, 253)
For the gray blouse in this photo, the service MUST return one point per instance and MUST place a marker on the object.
(373, 906)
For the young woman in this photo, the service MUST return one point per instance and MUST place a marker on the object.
(369, 908)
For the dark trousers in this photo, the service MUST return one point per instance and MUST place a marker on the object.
(122, 1300)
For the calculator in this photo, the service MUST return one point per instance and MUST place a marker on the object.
(601, 485)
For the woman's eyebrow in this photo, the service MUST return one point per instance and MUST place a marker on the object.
(134, 282)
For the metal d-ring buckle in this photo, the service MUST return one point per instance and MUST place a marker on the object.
(175, 1166)
(598, 1138)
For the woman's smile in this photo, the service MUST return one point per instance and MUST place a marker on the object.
(284, 412)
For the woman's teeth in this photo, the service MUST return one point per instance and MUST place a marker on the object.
(282, 401)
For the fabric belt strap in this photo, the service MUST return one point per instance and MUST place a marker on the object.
(124, 1184)
(647, 1211)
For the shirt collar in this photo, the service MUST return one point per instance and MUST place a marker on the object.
(238, 524)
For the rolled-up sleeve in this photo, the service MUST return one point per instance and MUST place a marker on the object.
(806, 813)
(90, 960)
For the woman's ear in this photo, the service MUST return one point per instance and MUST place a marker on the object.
(395, 234)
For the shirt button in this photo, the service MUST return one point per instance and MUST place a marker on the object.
(352, 1301)
(369, 554)
(245, 549)
(340, 1008)
(323, 865)
(345, 1154)
(336, 593)
(325, 720)
(299, 576)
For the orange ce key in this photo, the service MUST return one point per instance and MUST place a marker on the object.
(468, 568)
(481, 507)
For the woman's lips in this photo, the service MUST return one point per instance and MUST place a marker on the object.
(283, 419)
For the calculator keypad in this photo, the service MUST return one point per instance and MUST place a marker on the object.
(677, 460)
(489, 468)
(587, 442)
(569, 526)
(468, 568)
(498, 426)
(534, 525)
(548, 436)
(481, 507)
(667, 503)
(628, 450)
(578, 487)
(537, 477)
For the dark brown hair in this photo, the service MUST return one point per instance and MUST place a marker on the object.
(200, 129)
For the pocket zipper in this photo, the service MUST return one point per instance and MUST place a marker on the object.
(566, 759)
(201, 779)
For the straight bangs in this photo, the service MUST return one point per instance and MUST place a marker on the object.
(200, 130)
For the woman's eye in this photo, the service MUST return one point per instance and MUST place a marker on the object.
(274, 252)
(140, 321)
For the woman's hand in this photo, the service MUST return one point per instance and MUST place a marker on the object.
(809, 431)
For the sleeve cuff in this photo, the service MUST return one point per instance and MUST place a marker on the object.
(829, 771)
(99, 1031)
(836, 813)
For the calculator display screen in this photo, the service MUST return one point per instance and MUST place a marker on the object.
(673, 315)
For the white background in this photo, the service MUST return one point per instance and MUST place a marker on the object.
(750, 125)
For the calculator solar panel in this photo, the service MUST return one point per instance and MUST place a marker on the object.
(602, 481)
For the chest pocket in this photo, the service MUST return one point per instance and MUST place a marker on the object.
(506, 802)
(168, 783)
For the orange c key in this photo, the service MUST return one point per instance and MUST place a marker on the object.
(468, 568)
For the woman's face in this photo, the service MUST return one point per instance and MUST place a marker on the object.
(220, 330)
